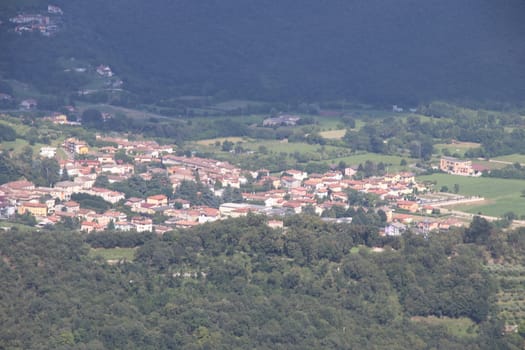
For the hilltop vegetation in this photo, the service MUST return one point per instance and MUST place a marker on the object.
(239, 284)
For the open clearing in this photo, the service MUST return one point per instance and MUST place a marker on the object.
(114, 253)
(456, 147)
(511, 158)
(211, 142)
(460, 327)
(503, 195)
(333, 134)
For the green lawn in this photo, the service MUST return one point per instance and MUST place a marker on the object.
(453, 148)
(114, 253)
(513, 158)
(503, 195)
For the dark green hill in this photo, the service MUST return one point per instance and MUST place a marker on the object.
(382, 52)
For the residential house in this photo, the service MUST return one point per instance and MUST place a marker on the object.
(37, 209)
(73, 145)
(71, 207)
(410, 206)
(90, 226)
(142, 224)
(124, 226)
(48, 152)
(108, 195)
(104, 71)
(29, 104)
(69, 187)
(395, 229)
(157, 200)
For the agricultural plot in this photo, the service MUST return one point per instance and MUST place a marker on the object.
(510, 300)
(114, 254)
(502, 195)
(333, 134)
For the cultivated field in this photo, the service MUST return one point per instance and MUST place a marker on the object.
(333, 134)
(510, 299)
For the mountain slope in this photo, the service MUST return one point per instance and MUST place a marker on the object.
(377, 51)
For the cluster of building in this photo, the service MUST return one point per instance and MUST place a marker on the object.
(45, 25)
(292, 191)
(60, 119)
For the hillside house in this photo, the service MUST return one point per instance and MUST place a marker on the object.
(104, 71)
(157, 200)
(410, 206)
(29, 104)
(142, 224)
(288, 120)
(48, 152)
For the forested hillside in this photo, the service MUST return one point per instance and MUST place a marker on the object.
(403, 52)
(237, 284)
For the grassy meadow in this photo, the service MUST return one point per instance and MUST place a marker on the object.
(502, 195)
(458, 148)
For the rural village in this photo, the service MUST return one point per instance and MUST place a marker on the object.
(290, 192)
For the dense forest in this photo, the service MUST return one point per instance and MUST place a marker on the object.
(238, 284)
(404, 52)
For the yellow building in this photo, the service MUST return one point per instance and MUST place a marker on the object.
(37, 209)
(76, 146)
(157, 200)
(456, 166)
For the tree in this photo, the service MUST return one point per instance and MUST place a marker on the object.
(478, 232)
(92, 118)
(7, 133)
(50, 171)
(456, 188)
(122, 156)
(227, 146)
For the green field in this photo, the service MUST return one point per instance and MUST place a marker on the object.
(456, 148)
(114, 253)
(361, 158)
(502, 195)
(333, 134)
(512, 158)
(460, 327)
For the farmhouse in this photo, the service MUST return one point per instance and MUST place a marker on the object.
(288, 120)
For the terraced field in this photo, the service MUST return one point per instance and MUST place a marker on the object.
(510, 299)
